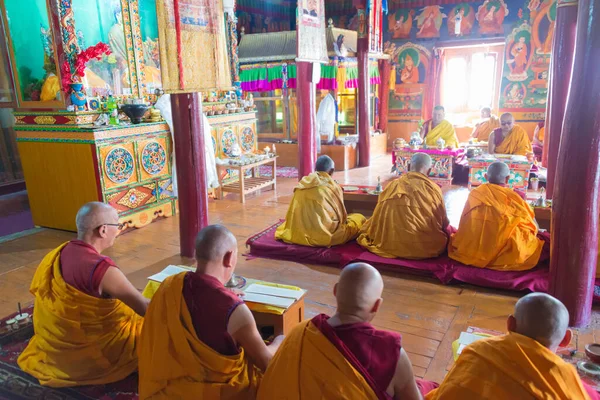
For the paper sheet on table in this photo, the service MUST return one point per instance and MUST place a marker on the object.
(270, 300)
(167, 272)
(274, 291)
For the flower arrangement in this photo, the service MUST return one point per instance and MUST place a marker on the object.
(73, 69)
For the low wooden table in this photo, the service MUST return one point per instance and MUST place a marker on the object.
(275, 320)
(246, 185)
(360, 201)
(443, 162)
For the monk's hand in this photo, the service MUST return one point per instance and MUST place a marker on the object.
(237, 292)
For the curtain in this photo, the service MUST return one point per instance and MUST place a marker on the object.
(434, 76)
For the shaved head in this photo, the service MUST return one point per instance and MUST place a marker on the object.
(214, 242)
(92, 215)
(486, 112)
(358, 290)
(541, 317)
(497, 173)
(420, 162)
(507, 117)
(507, 122)
(325, 164)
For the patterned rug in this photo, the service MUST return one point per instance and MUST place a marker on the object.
(282, 172)
(17, 385)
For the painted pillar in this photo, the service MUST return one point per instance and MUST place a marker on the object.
(563, 46)
(362, 56)
(188, 130)
(307, 118)
(385, 69)
(575, 203)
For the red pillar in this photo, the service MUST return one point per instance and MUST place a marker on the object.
(385, 70)
(307, 118)
(188, 130)
(364, 134)
(575, 203)
(563, 47)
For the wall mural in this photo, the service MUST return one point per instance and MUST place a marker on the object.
(490, 16)
(526, 26)
(429, 22)
(412, 64)
(461, 20)
(527, 58)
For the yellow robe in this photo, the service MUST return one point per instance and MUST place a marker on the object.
(509, 367)
(485, 128)
(307, 366)
(317, 215)
(175, 364)
(50, 88)
(409, 220)
(79, 339)
(496, 231)
(443, 130)
(517, 142)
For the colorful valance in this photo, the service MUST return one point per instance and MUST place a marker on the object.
(328, 75)
(267, 77)
(275, 77)
(351, 78)
(254, 80)
(292, 73)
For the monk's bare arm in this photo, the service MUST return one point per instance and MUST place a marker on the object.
(491, 145)
(242, 329)
(405, 386)
(116, 284)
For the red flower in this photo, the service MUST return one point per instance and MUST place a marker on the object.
(520, 13)
(79, 62)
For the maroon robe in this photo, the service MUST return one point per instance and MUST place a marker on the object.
(372, 352)
(210, 305)
(83, 268)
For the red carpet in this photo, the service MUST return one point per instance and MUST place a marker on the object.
(16, 384)
(443, 268)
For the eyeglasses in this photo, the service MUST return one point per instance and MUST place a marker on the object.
(119, 226)
(506, 123)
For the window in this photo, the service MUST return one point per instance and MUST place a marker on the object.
(470, 80)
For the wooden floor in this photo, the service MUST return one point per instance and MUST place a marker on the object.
(429, 315)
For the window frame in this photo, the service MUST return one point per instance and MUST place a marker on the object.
(467, 52)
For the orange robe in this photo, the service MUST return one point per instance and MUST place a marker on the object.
(443, 130)
(541, 134)
(517, 142)
(308, 366)
(79, 339)
(496, 231)
(409, 220)
(484, 129)
(317, 215)
(175, 364)
(512, 366)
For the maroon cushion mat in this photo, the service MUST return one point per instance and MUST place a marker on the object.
(443, 268)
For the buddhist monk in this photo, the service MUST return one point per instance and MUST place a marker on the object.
(87, 316)
(521, 364)
(438, 128)
(487, 125)
(343, 356)
(200, 340)
(509, 138)
(497, 228)
(410, 219)
(538, 140)
(317, 216)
